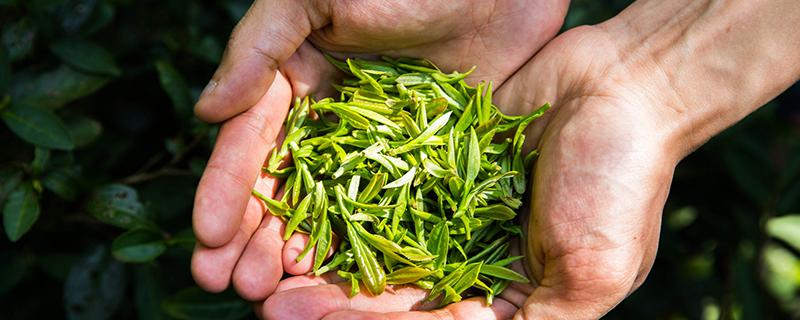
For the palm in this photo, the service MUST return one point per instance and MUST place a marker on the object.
(457, 35)
(236, 240)
(599, 187)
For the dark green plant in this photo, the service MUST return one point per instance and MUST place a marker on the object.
(100, 156)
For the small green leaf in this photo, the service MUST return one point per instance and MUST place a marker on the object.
(5, 71)
(19, 38)
(38, 126)
(407, 275)
(372, 273)
(299, 215)
(175, 86)
(84, 130)
(41, 157)
(20, 211)
(496, 212)
(13, 269)
(194, 303)
(95, 286)
(324, 242)
(403, 180)
(86, 56)
(118, 205)
(473, 159)
(786, 228)
(63, 182)
(55, 88)
(503, 273)
(428, 132)
(9, 180)
(149, 291)
(138, 245)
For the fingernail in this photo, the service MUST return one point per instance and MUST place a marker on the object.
(209, 87)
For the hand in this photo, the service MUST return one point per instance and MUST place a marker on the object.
(599, 187)
(620, 122)
(236, 240)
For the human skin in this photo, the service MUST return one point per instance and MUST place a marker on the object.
(631, 97)
(237, 241)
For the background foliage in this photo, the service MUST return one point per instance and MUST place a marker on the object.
(100, 156)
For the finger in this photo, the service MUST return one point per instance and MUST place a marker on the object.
(314, 302)
(242, 145)
(469, 309)
(292, 249)
(263, 39)
(212, 267)
(258, 270)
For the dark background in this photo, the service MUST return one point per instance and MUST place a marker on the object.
(105, 88)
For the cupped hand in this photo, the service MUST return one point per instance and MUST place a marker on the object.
(237, 241)
(607, 155)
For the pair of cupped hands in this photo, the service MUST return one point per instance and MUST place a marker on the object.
(607, 151)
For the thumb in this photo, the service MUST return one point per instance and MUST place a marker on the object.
(268, 34)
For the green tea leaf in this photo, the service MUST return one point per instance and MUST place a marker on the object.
(786, 228)
(503, 273)
(54, 89)
(402, 181)
(95, 286)
(118, 205)
(37, 126)
(194, 303)
(372, 273)
(20, 211)
(85, 56)
(138, 245)
(175, 86)
(300, 214)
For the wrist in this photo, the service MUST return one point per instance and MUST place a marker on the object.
(708, 64)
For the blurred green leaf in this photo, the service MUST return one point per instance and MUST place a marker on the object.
(55, 88)
(57, 264)
(41, 157)
(782, 273)
(194, 303)
(84, 130)
(5, 70)
(149, 292)
(118, 205)
(681, 218)
(86, 56)
(20, 212)
(18, 38)
(169, 198)
(786, 228)
(207, 48)
(176, 88)
(138, 245)
(12, 270)
(63, 182)
(9, 180)
(94, 287)
(74, 13)
(38, 126)
(741, 161)
(103, 14)
(184, 239)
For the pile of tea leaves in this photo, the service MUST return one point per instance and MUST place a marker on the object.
(417, 173)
